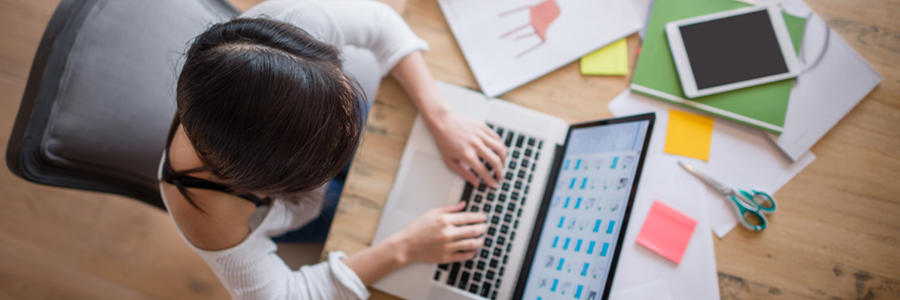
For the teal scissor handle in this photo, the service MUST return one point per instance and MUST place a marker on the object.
(765, 202)
(747, 203)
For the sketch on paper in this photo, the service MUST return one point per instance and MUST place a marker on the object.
(541, 16)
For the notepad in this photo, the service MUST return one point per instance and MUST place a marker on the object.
(666, 232)
(689, 134)
(609, 60)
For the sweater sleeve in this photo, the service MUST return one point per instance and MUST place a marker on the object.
(369, 25)
(254, 271)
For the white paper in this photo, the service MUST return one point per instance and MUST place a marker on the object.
(654, 290)
(696, 276)
(503, 58)
(823, 94)
(740, 156)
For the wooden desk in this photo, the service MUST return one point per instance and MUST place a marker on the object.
(837, 232)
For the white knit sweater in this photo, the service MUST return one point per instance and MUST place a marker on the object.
(251, 269)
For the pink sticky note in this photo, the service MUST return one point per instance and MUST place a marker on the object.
(666, 231)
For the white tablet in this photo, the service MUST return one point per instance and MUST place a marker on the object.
(732, 50)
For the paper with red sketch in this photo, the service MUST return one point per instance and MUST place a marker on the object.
(508, 43)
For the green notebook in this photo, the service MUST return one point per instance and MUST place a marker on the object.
(763, 106)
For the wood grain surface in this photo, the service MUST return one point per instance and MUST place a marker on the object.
(836, 236)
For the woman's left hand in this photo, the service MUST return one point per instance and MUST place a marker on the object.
(465, 143)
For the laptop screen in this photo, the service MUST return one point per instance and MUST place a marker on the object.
(578, 240)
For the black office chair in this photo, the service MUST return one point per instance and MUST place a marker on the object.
(101, 93)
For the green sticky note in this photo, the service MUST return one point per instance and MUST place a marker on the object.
(609, 60)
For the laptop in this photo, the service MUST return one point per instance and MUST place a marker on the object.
(557, 220)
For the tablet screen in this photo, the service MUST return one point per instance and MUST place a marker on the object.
(733, 49)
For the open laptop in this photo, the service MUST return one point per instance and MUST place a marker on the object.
(557, 220)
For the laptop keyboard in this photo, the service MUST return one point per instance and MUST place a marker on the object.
(503, 206)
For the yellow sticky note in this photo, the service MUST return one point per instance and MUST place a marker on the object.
(689, 134)
(609, 60)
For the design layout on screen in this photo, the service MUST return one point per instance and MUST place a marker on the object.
(574, 251)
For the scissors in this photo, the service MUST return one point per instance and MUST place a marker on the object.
(746, 203)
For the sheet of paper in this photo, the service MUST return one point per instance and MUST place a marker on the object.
(609, 60)
(508, 43)
(825, 92)
(739, 155)
(689, 134)
(696, 276)
(666, 231)
(654, 290)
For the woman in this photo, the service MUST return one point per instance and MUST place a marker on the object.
(267, 116)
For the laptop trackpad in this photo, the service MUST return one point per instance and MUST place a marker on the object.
(427, 185)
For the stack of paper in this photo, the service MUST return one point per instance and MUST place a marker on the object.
(739, 155)
(508, 43)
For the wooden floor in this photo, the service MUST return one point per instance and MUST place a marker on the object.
(64, 244)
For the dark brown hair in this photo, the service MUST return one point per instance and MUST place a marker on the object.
(267, 107)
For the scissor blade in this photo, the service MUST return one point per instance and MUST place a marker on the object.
(712, 183)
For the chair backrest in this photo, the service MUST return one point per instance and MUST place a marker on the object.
(101, 93)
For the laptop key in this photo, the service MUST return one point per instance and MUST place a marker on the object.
(525, 162)
(529, 178)
(530, 141)
(444, 266)
(527, 187)
(478, 198)
(508, 176)
(487, 243)
(484, 254)
(512, 165)
(501, 198)
(516, 224)
(514, 196)
(523, 201)
(454, 270)
(504, 229)
(508, 247)
(469, 264)
(492, 230)
(485, 289)
(473, 288)
(499, 131)
(489, 125)
(519, 141)
(501, 271)
(482, 186)
(489, 275)
(507, 218)
(474, 208)
(490, 197)
(527, 152)
(500, 241)
(512, 235)
(497, 252)
(464, 280)
(509, 139)
(533, 166)
(494, 263)
(498, 209)
(541, 143)
(515, 154)
(494, 295)
(495, 220)
(505, 259)
(518, 185)
(536, 154)
(467, 192)
(498, 283)
(504, 186)
(487, 207)
(437, 275)
(511, 206)
(522, 173)
(480, 265)
(476, 277)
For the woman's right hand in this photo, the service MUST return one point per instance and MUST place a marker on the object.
(443, 235)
